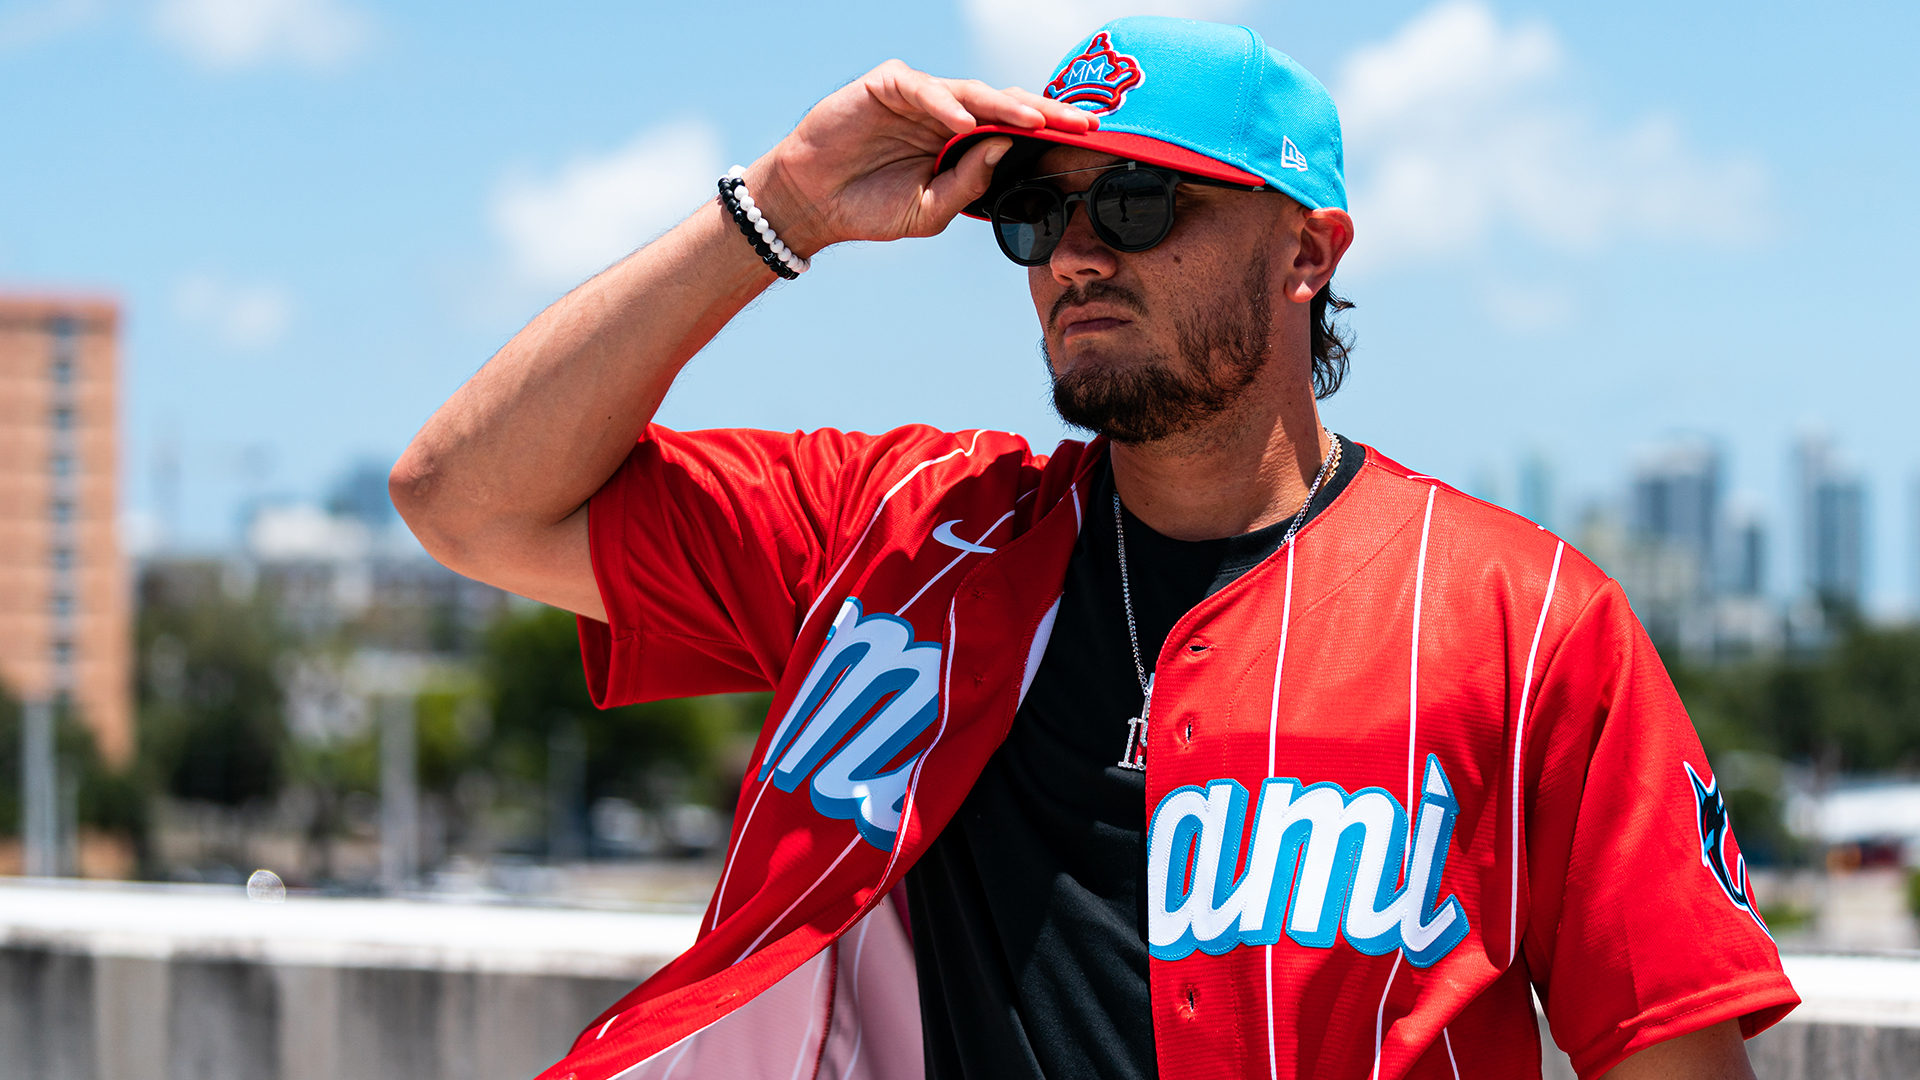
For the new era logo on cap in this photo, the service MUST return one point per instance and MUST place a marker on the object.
(1098, 79)
(1290, 155)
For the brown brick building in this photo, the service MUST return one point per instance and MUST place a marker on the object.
(64, 596)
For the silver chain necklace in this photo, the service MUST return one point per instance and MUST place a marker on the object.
(1135, 757)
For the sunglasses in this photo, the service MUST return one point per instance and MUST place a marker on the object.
(1130, 207)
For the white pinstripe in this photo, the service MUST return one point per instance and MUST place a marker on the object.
(1380, 1017)
(855, 842)
(946, 704)
(1447, 1037)
(720, 894)
(1413, 674)
(956, 562)
(1273, 735)
(827, 589)
(1519, 734)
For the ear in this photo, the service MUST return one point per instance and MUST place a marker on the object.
(1324, 236)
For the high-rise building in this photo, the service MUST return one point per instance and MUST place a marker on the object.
(1913, 541)
(1833, 512)
(1536, 490)
(64, 598)
(1676, 504)
(1744, 555)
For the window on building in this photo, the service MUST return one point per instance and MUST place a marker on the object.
(62, 510)
(63, 419)
(61, 465)
(62, 605)
(63, 558)
(63, 370)
(63, 652)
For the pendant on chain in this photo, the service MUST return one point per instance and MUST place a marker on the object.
(1135, 757)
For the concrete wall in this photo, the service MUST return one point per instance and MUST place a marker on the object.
(70, 1016)
(150, 983)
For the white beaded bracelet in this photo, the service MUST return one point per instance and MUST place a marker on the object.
(756, 228)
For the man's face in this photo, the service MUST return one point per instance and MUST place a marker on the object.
(1150, 344)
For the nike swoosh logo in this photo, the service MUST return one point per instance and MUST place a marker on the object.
(944, 534)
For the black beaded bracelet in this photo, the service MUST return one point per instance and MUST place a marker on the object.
(747, 229)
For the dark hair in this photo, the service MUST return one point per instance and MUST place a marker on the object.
(1332, 342)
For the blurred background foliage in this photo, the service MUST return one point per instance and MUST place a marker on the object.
(1850, 708)
(511, 754)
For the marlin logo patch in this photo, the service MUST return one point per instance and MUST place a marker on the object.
(1098, 79)
(1716, 832)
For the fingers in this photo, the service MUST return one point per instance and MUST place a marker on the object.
(1059, 116)
(960, 105)
(952, 190)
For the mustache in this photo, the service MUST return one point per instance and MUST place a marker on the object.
(1082, 295)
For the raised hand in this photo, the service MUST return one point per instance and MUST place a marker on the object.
(860, 165)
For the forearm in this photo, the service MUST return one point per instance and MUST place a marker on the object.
(548, 419)
(1712, 1053)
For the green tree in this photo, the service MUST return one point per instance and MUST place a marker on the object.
(648, 753)
(211, 705)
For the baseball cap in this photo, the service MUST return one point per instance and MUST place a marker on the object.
(1204, 98)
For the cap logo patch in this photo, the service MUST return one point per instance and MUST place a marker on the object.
(1290, 155)
(1098, 79)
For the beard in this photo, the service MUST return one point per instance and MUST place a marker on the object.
(1221, 349)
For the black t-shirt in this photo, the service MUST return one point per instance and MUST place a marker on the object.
(1029, 917)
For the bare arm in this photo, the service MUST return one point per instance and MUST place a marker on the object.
(1713, 1053)
(495, 484)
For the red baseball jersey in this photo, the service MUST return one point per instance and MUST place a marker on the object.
(1418, 761)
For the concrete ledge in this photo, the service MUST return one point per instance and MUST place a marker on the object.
(188, 983)
(212, 922)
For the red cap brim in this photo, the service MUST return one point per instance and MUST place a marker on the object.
(1118, 143)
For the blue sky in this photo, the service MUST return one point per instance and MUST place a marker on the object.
(1583, 228)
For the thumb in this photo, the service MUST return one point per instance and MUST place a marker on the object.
(952, 190)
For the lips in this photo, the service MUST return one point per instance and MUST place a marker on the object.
(1091, 326)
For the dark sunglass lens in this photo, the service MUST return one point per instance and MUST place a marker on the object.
(1029, 222)
(1134, 208)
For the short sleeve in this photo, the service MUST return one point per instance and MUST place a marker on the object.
(707, 547)
(1634, 936)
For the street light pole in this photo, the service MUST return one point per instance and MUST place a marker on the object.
(40, 818)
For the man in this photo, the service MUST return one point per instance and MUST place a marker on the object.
(1219, 746)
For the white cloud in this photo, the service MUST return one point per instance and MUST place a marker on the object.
(1017, 42)
(563, 228)
(248, 318)
(26, 25)
(1459, 130)
(242, 33)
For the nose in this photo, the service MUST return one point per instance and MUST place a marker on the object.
(1082, 256)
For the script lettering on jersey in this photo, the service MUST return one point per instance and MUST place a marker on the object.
(1321, 864)
(872, 682)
